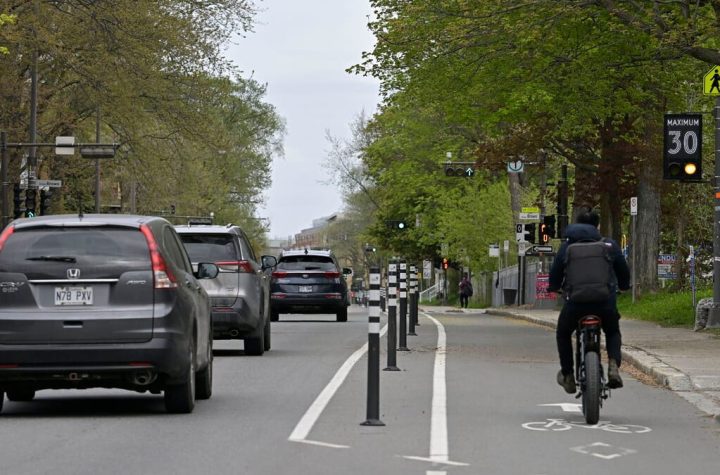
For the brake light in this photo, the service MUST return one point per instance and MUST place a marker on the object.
(9, 366)
(588, 322)
(242, 267)
(5, 235)
(278, 274)
(332, 275)
(163, 277)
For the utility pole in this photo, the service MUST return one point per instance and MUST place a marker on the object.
(714, 314)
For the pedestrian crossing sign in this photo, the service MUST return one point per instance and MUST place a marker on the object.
(711, 82)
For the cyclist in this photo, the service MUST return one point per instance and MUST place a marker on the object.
(586, 229)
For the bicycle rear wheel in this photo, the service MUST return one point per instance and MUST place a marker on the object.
(591, 391)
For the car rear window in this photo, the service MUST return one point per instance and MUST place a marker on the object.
(307, 263)
(209, 247)
(98, 249)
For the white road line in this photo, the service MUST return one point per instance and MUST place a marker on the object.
(439, 450)
(303, 428)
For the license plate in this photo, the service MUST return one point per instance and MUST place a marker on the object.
(73, 296)
(305, 288)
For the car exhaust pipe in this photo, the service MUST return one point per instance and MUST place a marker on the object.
(143, 378)
(234, 332)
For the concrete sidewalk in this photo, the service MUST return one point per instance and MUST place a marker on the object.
(682, 360)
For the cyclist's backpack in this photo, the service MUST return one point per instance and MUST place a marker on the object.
(589, 272)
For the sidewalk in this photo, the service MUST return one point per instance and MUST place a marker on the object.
(684, 361)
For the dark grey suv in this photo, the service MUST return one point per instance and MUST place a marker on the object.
(239, 294)
(103, 301)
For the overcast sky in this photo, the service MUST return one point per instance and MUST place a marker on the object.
(301, 50)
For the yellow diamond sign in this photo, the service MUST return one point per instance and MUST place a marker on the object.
(711, 82)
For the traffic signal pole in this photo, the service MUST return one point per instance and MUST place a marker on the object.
(714, 314)
(5, 183)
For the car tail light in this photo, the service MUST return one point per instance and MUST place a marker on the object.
(223, 309)
(278, 274)
(332, 275)
(5, 235)
(242, 267)
(278, 295)
(8, 366)
(163, 277)
(333, 296)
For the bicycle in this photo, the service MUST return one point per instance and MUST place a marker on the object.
(589, 370)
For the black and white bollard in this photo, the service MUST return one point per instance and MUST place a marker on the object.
(392, 318)
(403, 307)
(373, 380)
(412, 301)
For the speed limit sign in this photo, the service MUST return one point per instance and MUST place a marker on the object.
(682, 157)
(633, 206)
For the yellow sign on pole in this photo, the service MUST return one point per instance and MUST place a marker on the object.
(711, 82)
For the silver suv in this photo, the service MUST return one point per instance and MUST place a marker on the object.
(239, 294)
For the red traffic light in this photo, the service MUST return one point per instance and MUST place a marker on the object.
(445, 263)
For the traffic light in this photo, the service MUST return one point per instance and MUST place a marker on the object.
(18, 210)
(547, 229)
(530, 230)
(445, 263)
(45, 201)
(30, 196)
(396, 224)
(466, 169)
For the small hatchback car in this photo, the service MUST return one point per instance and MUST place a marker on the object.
(103, 301)
(309, 281)
(239, 294)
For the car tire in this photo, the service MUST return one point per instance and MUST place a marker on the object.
(204, 377)
(274, 316)
(180, 398)
(21, 394)
(2, 400)
(256, 346)
(342, 315)
(267, 337)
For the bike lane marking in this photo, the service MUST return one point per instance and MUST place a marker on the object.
(603, 451)
(439, 449)
(311, 416)
(566, 406)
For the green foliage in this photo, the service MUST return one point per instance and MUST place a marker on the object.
(666, 307)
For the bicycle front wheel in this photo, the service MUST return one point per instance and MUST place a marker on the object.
(591, 391)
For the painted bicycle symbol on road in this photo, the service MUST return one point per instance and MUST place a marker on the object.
(557, 425)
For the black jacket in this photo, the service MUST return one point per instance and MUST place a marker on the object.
(587, 232)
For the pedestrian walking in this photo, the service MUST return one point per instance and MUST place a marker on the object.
(466, 290)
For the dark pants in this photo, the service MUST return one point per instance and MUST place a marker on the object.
(464, 300)
(568, 323)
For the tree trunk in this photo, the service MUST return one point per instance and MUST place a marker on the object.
(515, 194)
(647, 226)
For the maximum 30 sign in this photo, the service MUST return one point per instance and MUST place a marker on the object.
(682, 145)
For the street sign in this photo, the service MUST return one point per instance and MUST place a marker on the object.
(711, 82)
(515, 167)
(682, 155)
(633, 206)
(530, 209)
(68, 148)
(543, 249)
(530, 216)
(522, 247)
(427, 269)
(494, 250)
(506, 246)
(48, 183)
(520, 232)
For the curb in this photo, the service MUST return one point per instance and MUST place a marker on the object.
(662, 374)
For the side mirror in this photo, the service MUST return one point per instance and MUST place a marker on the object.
(268, 262)
(347, 271)
(207, 270)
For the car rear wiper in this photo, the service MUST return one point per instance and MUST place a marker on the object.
(52, 258)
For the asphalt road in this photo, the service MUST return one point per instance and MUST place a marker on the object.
(502, 413)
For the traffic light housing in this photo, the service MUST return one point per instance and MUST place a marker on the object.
(547, 230)
(396, 224)
(688, 169)
(18, 209)
(30, 203)
(45, 201)
(530, 231)
(445, 263)
(466, 169)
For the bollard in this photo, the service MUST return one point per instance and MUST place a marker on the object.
(413, 298)
(373, 380)
(392, 318)
(403, 307)
(382, 298)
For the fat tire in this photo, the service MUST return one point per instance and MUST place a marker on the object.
(204, 377)
(20, 395)
(267, 336)
(342, 315)
(180, 398)
(591, 391)
(256, 346)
